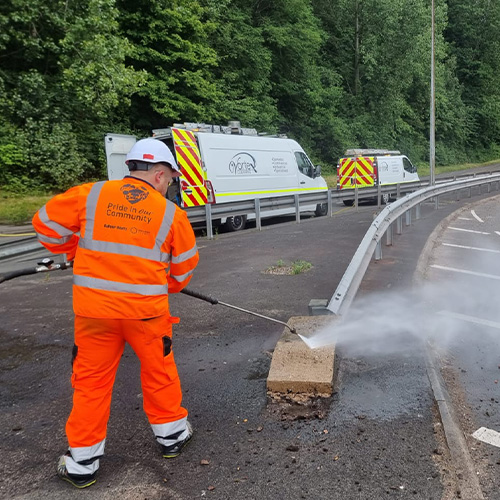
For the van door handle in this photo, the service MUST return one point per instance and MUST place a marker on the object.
(188, 190)
(302, 182)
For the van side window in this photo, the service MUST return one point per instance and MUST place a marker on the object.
(304, 164)
(408, 166)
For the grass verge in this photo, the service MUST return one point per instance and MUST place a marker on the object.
(18, 209)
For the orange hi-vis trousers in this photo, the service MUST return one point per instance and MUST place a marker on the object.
(99, 345)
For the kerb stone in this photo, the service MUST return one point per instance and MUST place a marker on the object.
(297, 369)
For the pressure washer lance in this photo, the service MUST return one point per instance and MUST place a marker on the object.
(213, 301)
(47, 264)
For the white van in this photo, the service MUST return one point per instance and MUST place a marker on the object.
(362, 168)
(226, 164)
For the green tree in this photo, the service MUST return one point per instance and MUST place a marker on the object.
(170, 46)
(382, 51)
(63, 81)
(474, 32)
(243, 70)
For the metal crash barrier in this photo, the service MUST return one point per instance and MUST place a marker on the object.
(393, 215)
(206, 215)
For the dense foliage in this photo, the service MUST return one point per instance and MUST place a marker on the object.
(331, 73)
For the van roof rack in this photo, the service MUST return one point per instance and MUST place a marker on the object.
(233, 127)
(370, 152)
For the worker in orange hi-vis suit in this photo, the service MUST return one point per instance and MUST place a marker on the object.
(131, 248)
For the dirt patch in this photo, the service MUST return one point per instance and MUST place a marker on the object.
(298, 407)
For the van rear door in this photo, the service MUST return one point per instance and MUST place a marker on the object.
(356, 172)
(193, 189)
(117, 146)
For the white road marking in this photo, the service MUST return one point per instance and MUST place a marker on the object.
(498, 232)
(476, 216)
(467, 230)
(487, 436)
(464, 218)
(463, 271)
(471, 248)
(471, 319)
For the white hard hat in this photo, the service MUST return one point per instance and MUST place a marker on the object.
(150, 151)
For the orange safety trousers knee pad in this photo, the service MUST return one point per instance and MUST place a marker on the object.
(99, 345)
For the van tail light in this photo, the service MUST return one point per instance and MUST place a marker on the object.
(375, 172)
(210, 192)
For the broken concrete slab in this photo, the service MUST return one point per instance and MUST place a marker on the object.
(297, 369)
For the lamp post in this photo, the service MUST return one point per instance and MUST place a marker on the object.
(432, 131)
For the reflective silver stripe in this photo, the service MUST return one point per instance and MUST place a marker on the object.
(85, 454)
(117, 286)
(182, 277)
(166, 224)
(60, 230)
(124, 249)
(55, 241)
(91, 205)
(161, 431)
(185, 255)
(89, 243)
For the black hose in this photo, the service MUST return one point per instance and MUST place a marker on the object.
(15, 274)
(34, 270)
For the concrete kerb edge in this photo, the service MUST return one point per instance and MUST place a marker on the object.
(454, 435)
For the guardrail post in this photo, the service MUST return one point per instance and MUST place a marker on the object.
(399, 225)
(330, 205)
(388, 235)
(356, 198)
(470, 192)
(489, 187)
(378, 250)
(208, 217)
(398, 191)
(257, 214)
(457, 197)
(417, 211)
(408, 217)
(297, 208)
(379, 194)
(436, 202)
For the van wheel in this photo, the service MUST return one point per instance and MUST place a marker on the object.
(321, 209)
(348, 203)
(236, 223)
(385, 198)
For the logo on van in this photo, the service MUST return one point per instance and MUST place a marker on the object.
(242, 164)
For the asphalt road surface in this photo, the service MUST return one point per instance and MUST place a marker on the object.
(464, 272)
(379, 436)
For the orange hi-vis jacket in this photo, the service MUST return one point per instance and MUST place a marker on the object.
(131, 247)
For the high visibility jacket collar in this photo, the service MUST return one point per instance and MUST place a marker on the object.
(139, 179)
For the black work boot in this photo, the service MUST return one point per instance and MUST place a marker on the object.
(175, 449)
(77, 480)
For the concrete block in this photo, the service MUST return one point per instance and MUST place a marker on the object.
(297, 369)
